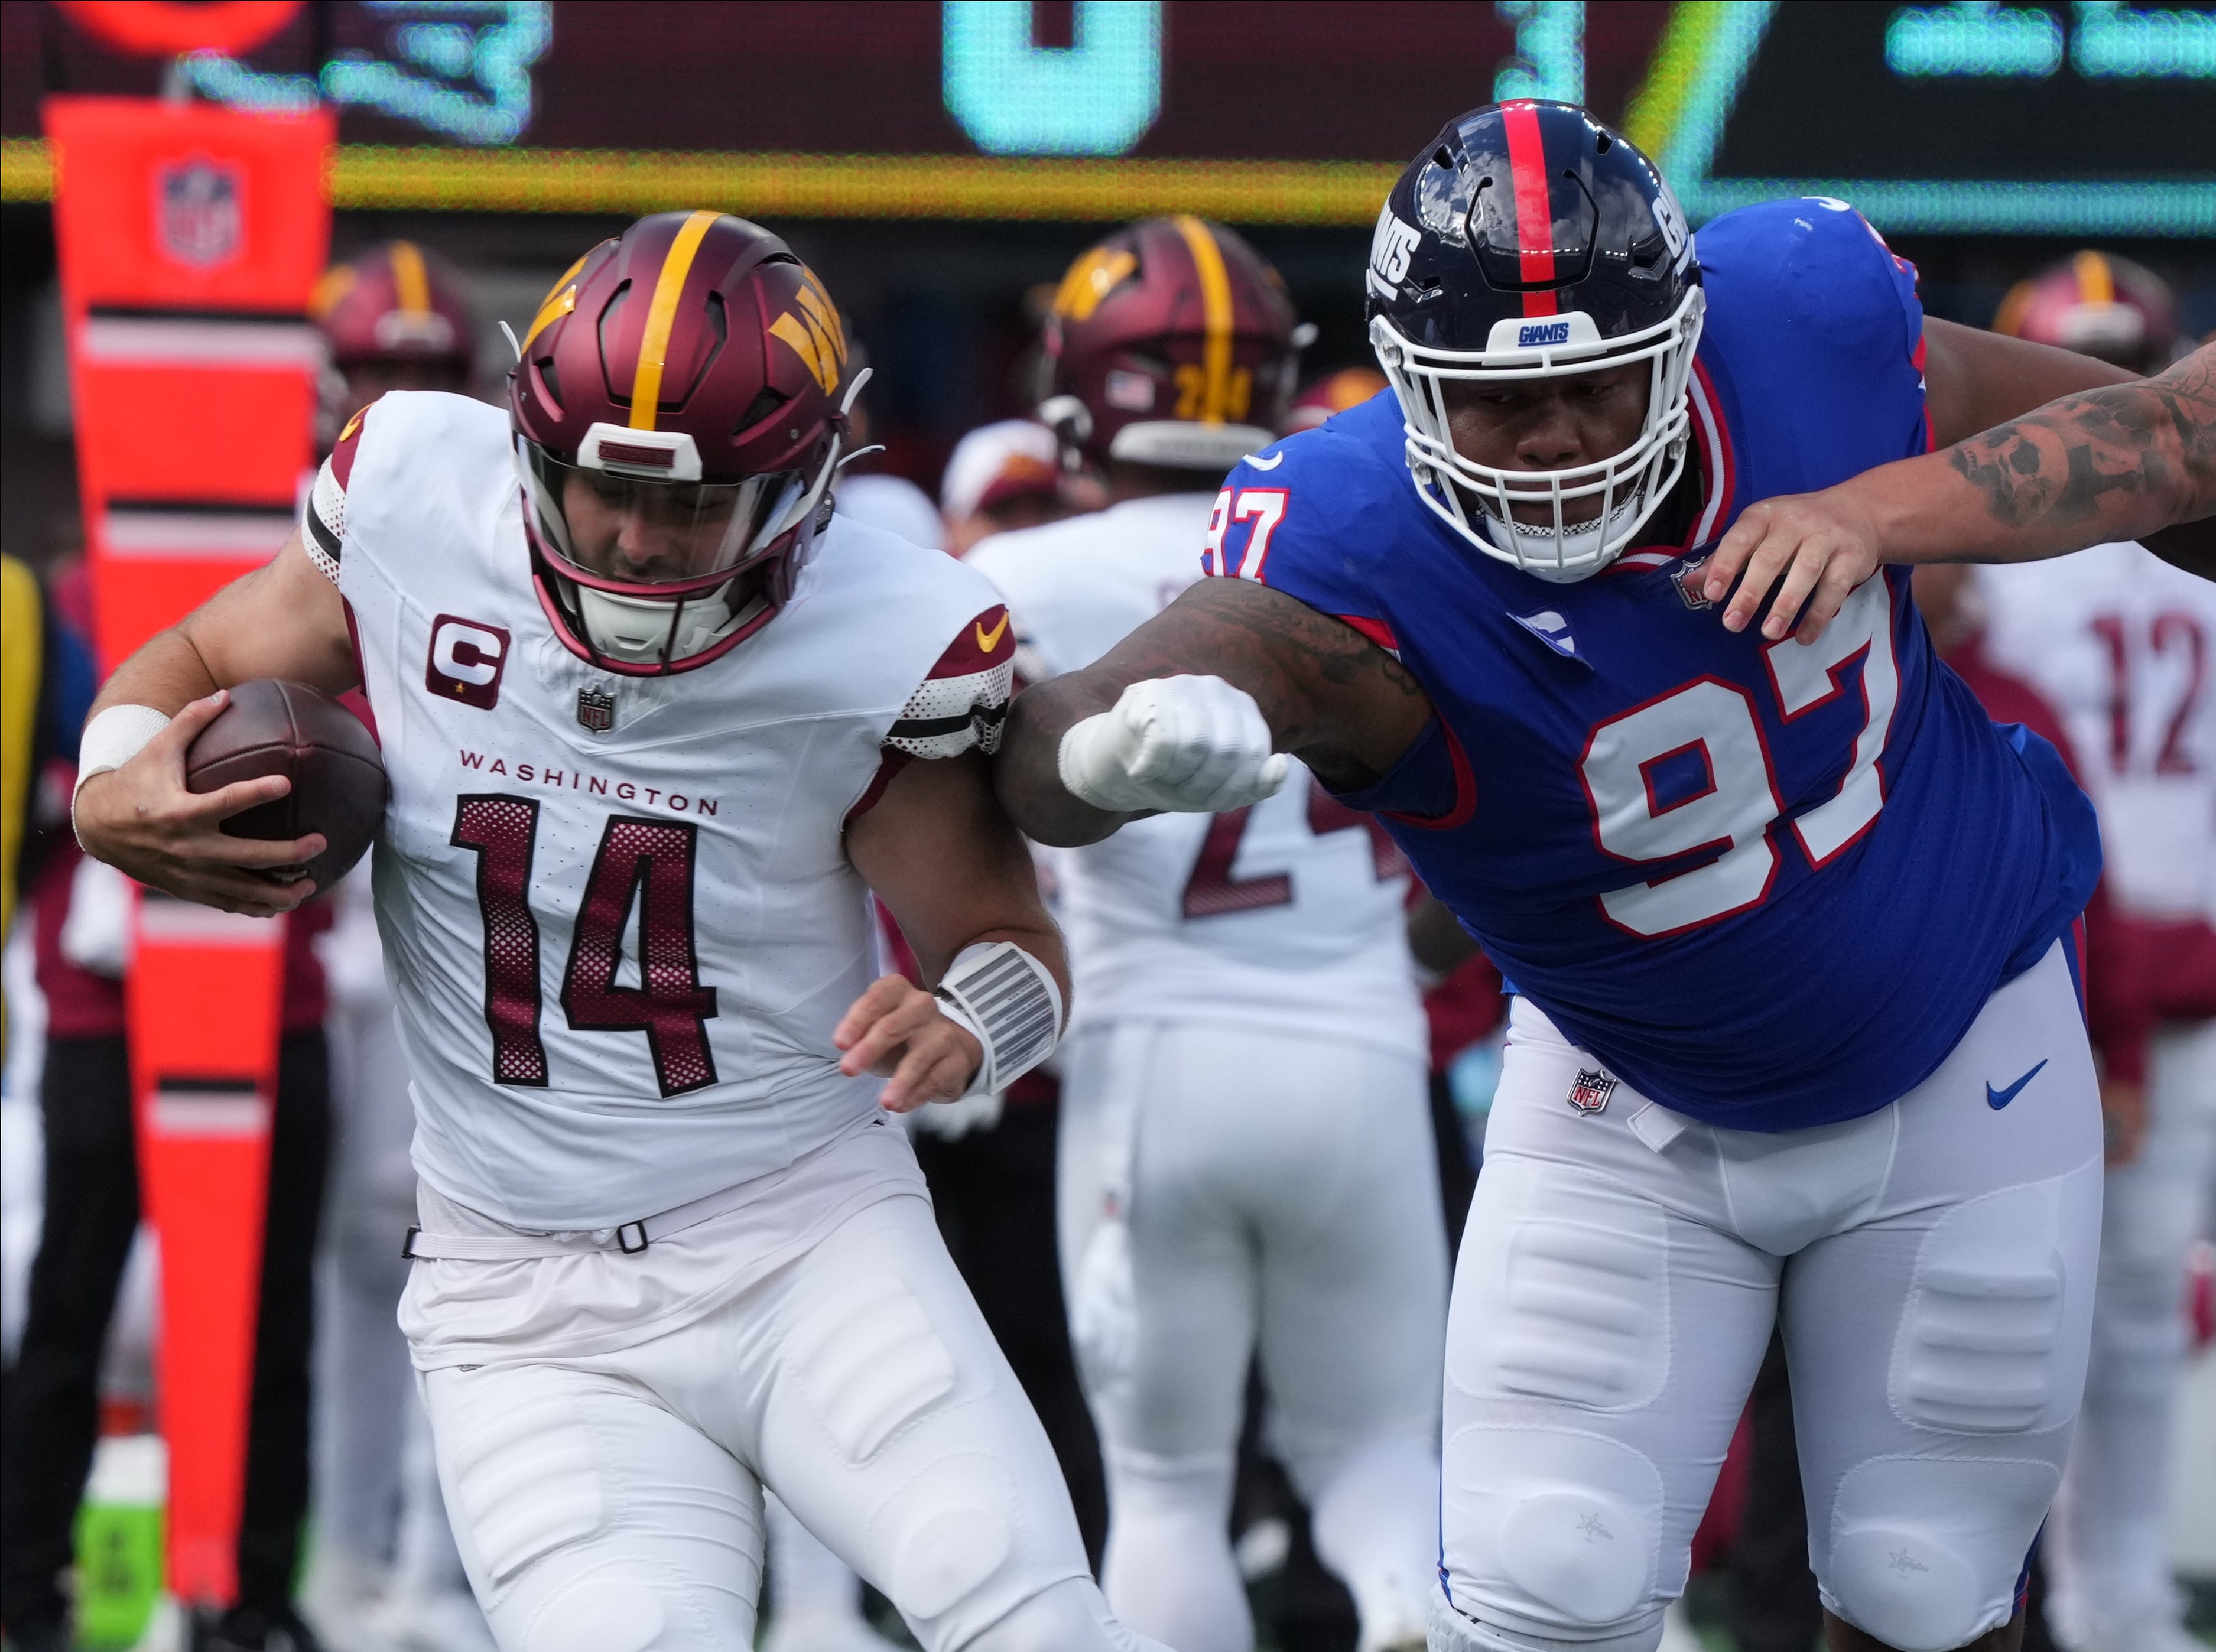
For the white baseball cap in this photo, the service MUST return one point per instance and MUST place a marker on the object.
(996, 462)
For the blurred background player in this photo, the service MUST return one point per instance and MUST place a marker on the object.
(1247, 1157)
(397, 317)
(47, 682)
(878, 498)
(1005, 476)
(2123, 645)
(1332, 395)
(385, 1572)
(82, 914)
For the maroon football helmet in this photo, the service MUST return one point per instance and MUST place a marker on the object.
(678, 422)
(2097, 306)
(397, 317)
(1170, 343)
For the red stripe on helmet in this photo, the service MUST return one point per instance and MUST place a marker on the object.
(1534, 217)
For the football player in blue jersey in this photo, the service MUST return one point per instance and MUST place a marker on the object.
(1797, 1037)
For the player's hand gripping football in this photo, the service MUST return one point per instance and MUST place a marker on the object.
(895, 1031)
(142, 819)
(1195, 745)
(1813, 548)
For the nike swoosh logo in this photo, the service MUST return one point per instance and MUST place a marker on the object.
(989, 641)
(1261, 463)
(1998, 1099)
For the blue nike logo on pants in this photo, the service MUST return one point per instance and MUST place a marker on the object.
(1998, 1099)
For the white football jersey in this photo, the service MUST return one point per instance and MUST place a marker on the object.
(2123, 646)
(1288, 914)
(617, 913)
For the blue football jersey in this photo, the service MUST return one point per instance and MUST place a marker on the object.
(1769, 884)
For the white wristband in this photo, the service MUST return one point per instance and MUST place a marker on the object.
(115, 736)
(112, 739)
(1009, 1003)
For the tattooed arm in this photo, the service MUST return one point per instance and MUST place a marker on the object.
(1331, 696)
(2125, 461)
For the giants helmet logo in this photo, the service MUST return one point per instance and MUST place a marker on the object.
(466, 661)
(1390, 248)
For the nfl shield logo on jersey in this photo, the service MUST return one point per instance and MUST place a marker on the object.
(198, 215)
(1687, 579)
(596, 710)
(1589, 1089)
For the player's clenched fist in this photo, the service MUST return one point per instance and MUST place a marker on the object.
(1823, 545)
(143, 820)
(895, 1030)
(1194, 745)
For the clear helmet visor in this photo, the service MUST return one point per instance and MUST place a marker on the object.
(637, 531)
(654, 571)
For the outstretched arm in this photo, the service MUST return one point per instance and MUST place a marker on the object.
(2126, 461)
(1327, 694)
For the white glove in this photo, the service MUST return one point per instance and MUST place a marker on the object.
(1104, 1320)
(1194, 745)
(951, 1120)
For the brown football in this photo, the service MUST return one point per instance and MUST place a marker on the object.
(276, 727)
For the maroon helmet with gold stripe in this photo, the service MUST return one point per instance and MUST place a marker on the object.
(395, 303)
(1172, 342)
(393, 317)
(2098, 306)
(678, 419)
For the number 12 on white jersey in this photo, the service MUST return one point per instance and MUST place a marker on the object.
(1712, 728)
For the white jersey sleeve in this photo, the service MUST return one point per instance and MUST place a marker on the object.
(961, 703)
(322, 512)
(1287, 915)
(2123, 646)
(617, 910)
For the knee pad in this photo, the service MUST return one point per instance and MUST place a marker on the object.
(1995, 1335)
(1449, 1630)
(1556, 1530)
(1924, 1553)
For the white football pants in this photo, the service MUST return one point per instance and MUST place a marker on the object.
(613, 1502)
(1932, 1267)
(1221, 1189)
(2108, 1548)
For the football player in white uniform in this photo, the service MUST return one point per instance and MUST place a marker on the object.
(652, 723)
(1247, 1157)
(2123, 645)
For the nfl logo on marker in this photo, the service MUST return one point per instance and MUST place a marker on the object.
(199, 216)
(1589, 1089)
(596, 710)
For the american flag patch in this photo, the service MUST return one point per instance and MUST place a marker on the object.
(1589, 1089)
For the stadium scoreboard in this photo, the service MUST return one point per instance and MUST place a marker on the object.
(2077, 119)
